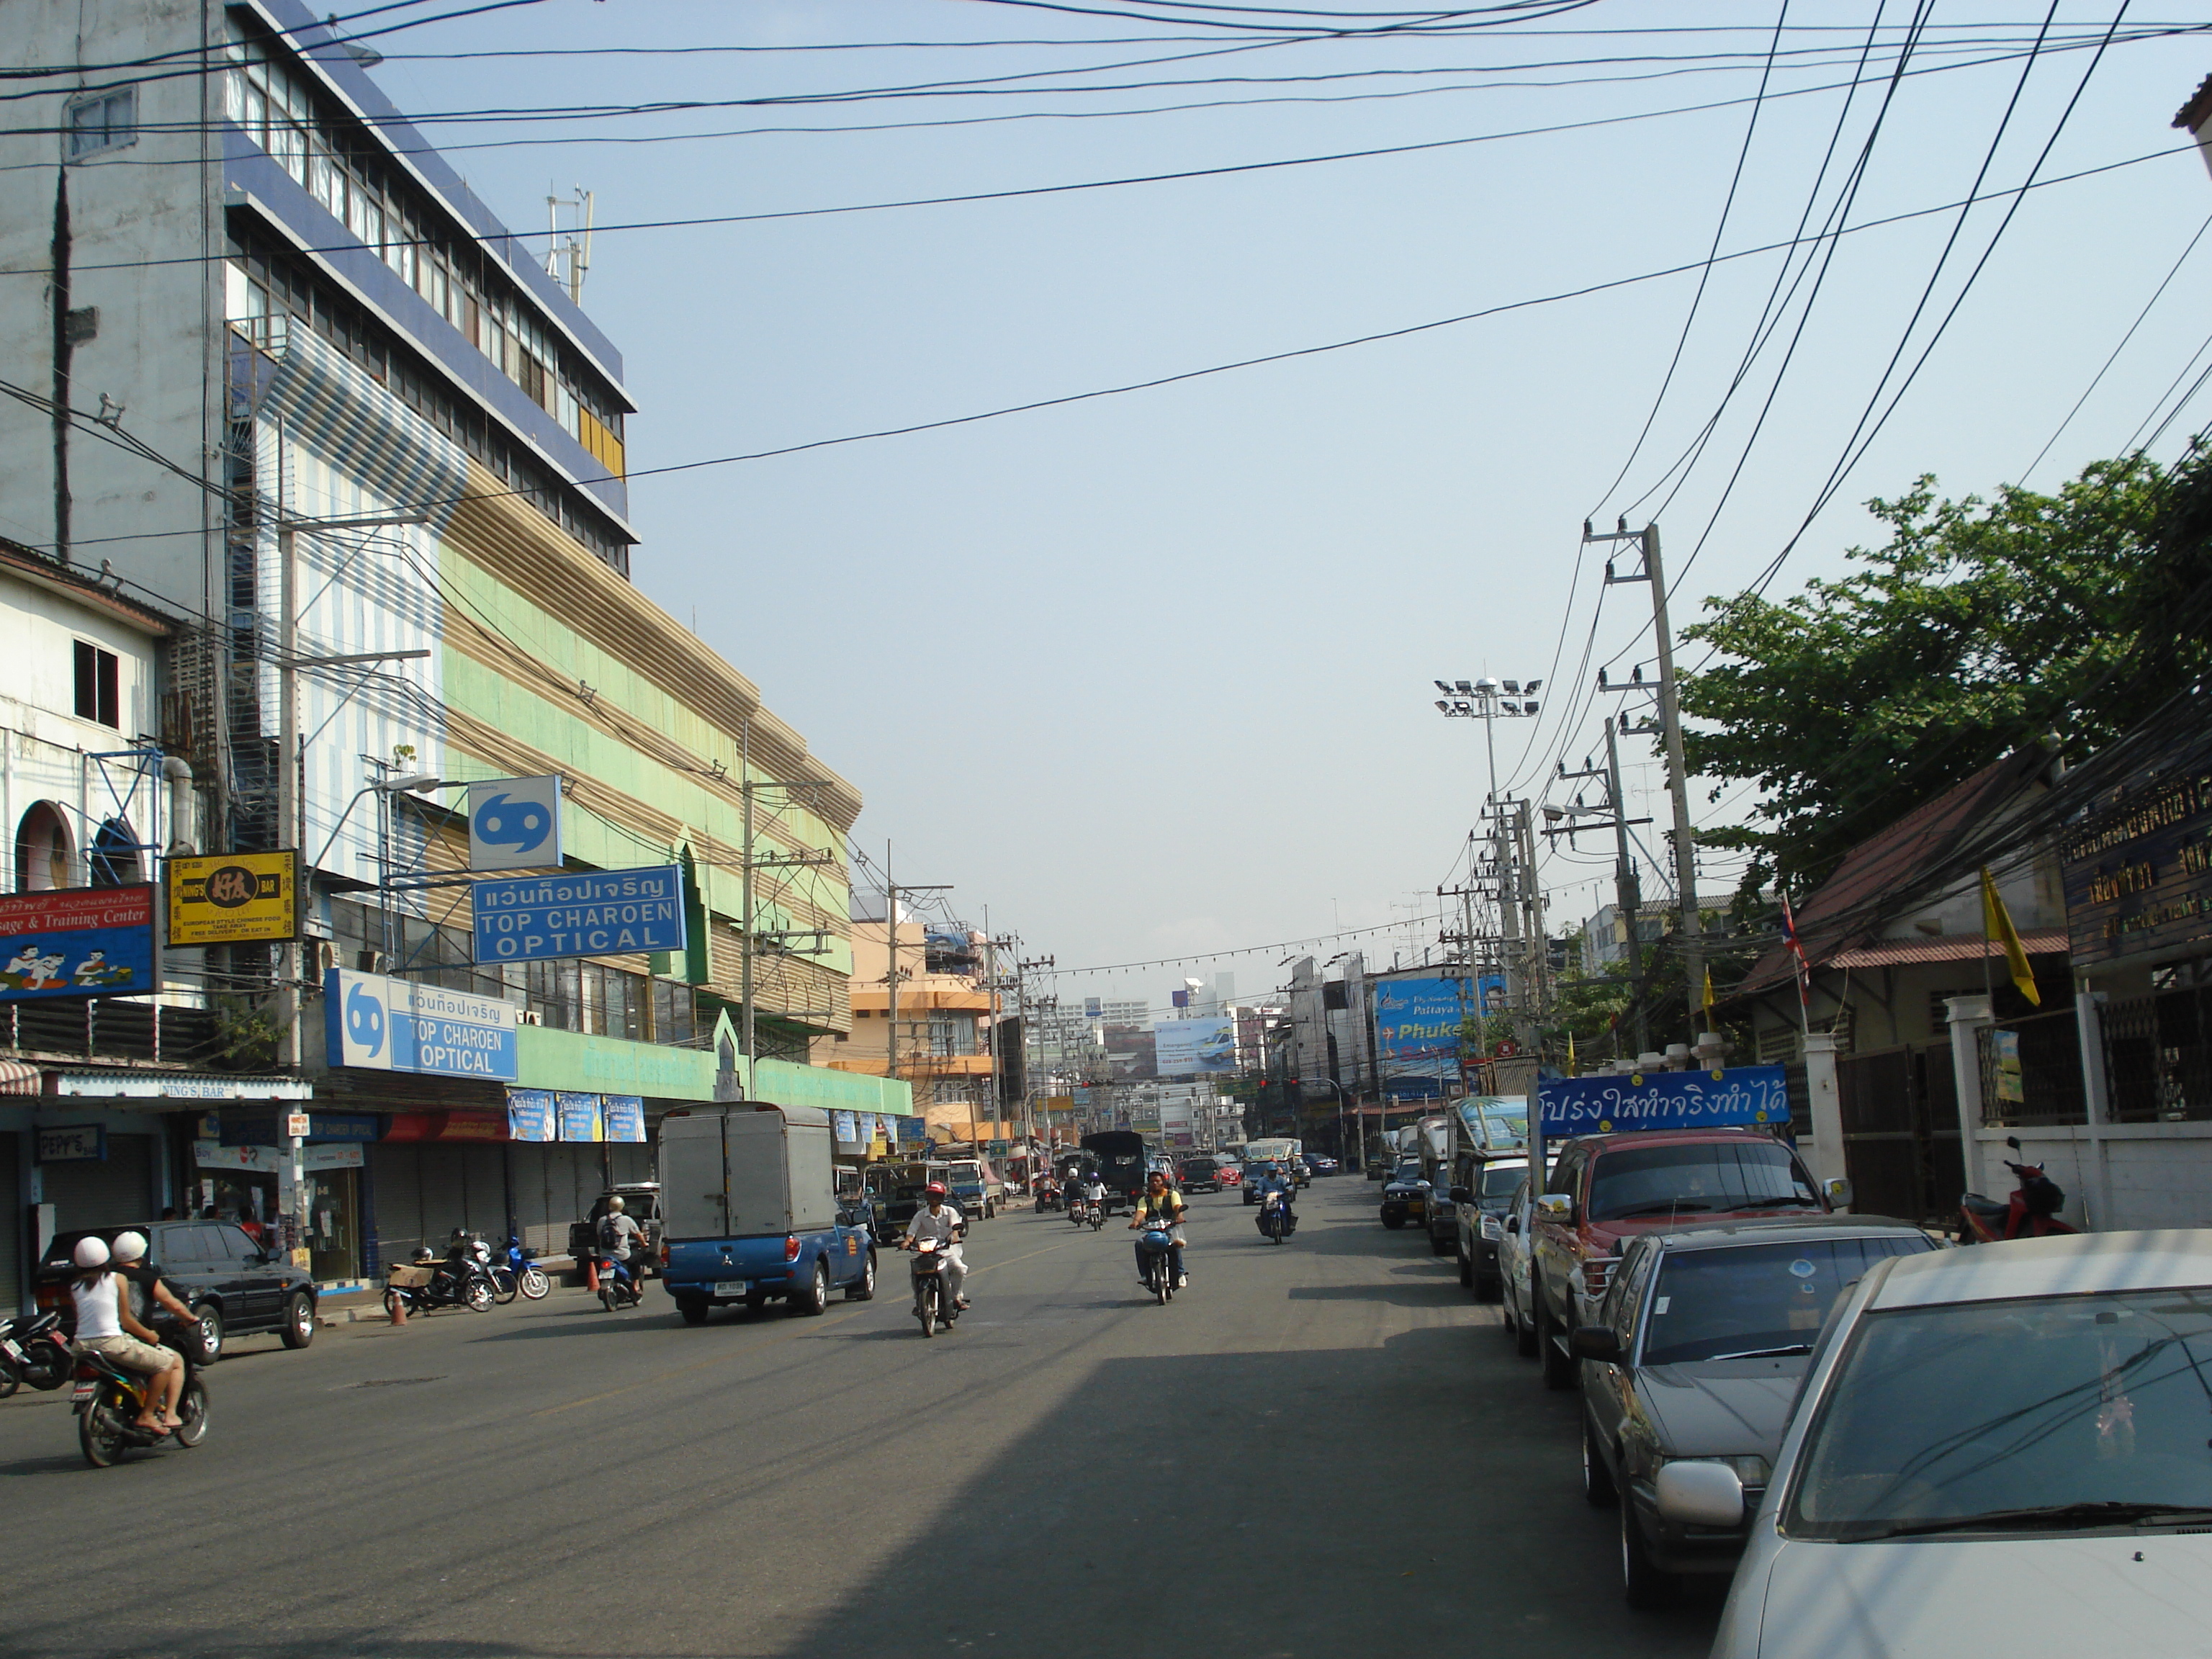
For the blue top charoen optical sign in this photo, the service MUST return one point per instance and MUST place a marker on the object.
(584, 913)
(384, 1024)
(1752, 1096)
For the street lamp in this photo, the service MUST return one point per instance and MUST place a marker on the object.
(1490, 701)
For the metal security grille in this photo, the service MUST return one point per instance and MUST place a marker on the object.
(1901, 1148)
(2050, 1071)
(2158, 1056)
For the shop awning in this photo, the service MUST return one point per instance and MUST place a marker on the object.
(19, 1078)
(181, 1086)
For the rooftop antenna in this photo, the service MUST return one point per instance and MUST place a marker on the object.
(568, 257)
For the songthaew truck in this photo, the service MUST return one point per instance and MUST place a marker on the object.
(750, 1212)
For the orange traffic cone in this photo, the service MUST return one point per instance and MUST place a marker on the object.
(591, 1274)
(399, 1309)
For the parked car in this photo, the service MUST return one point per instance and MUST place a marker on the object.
(1406, 1195)
(1606, 1189)
(1200, 1175)
(1513, 1298)
(2023, 1422)
(1697, 1354)
(1476, 1216)
(231, 1284)
(640, 1203)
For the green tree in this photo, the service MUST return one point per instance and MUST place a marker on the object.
(1979, 626)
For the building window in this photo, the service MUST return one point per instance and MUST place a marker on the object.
(99, 685)
(107, 120)
(42, 849)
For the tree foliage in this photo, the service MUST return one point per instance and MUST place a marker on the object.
(1977, 627)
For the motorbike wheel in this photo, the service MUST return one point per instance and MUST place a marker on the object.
(1162, 1283)
(534, 1283)
(100, 1429)
(48, 1365)
(926, 1309)
(607, 1292)
(193, 1406)
(478, 1296)
(504, 1288)
(9, 1380)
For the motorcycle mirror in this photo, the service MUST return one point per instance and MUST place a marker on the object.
(2012, 1142)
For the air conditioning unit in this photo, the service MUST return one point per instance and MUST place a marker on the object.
(531, 1016)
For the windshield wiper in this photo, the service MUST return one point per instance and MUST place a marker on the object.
(1760, 1353)
(1676, 1205)
(2103, 1512)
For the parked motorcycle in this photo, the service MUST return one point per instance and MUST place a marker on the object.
(32, 1351)
(2030, 1212)
(532, 1279)
(421, 1286)
(108, 1399)
(932, 1301)
(618, 1290)
(1155, 1242)
(1276, 1219)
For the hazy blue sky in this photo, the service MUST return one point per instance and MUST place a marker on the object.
(1152, 673)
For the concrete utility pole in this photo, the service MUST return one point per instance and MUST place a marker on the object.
(1678, 770)
(1626, 894)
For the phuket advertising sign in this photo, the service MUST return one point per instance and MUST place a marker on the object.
(584, 913)
(1194, 1047)
(384, 1024)
(76, 942)
(1416, 1021)
(1753, 1096)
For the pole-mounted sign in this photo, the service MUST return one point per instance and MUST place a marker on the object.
(515, 824)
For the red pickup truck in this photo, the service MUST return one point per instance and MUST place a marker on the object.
(1604, 1190)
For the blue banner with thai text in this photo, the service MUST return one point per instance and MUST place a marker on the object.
(1755, 1096)
(582, 912)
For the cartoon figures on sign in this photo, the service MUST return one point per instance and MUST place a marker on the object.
(32, 968)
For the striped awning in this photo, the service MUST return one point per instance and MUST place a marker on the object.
(19, 1078)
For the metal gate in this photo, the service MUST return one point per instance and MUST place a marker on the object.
(1901, 1148)
(103, 1193)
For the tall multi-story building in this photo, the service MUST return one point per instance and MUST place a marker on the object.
(935, 1038)
(296, 384)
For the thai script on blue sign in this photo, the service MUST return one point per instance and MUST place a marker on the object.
(386, 1024)
(626, 1117)
(1418, 1020)
(581, 1117)
(594, 913)
(76, 942)
(530, 1114)
(1750, 1096)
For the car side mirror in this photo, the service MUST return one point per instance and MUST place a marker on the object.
(1461, 1195)
(847, 1218)
(1594, 1342)
(1555, 1206)
(1694, 1494)
(1840, 1193)
(1513, 1224)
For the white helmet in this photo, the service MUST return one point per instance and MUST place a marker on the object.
(128, 1247)
(615, 1205)
(90, 1253)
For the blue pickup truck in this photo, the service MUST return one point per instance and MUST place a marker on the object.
(750, 1212)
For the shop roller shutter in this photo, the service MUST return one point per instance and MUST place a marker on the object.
(13, 1235)
(445, 1196)
(483, 1181)
(104, 1193)
(397, 1183)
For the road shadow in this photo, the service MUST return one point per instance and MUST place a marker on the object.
(1072, 1516)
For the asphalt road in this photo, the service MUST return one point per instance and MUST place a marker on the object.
(1323, 1448)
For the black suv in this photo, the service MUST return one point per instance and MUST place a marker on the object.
(237, 1288)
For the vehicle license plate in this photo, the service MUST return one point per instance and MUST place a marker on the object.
(12, 1352)
(729, 1287)
(80, 1394)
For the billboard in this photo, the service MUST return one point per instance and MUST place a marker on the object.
(234, 898)
(1417, 1024)
(1755, 1096)
(384, 1025)
(583, 913)
(1194, 1047)
(515, 824)
(76, 942)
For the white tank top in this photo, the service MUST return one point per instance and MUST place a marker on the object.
(97, 1313)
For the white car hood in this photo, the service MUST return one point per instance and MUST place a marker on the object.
(1940, 1598)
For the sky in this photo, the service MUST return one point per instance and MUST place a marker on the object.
(1149, 675)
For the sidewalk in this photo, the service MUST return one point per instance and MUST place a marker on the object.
(358, 1301)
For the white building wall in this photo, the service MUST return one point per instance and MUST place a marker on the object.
(144, 221)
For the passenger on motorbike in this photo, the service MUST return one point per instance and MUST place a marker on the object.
(942, 1223)
(1162, 1205)
(616, 1229)
(1094, 1189)
(106, 1326)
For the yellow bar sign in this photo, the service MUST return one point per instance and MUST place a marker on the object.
(234, 898)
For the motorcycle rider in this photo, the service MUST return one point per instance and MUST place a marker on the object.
(1094, 1186)
(942, 1223)
(1161, 1204)
(128, 1257)
(106, 1326)
(616, 1229)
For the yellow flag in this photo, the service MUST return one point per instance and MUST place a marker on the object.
(1571, 1070)
(1710, 998)
(1997, 925)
